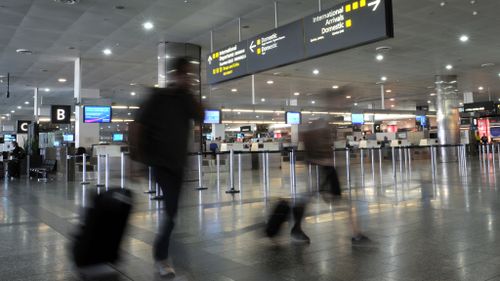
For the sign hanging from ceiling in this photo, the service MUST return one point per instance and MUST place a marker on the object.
(23, 126)
(344, 26)
(60, 114)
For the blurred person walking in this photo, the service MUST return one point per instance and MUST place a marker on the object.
(162, 133)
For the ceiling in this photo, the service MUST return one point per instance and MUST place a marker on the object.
(426, 39)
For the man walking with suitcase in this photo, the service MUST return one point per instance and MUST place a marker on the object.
(164, 122)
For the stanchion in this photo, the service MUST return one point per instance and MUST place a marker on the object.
(400, 161)
(334, 158)
(293, 186)
(217, 163)
(159, 193)
(317, 177)
(231, 189)
(99, 184)
(240, 172)
(493, 153)
(309, 175)
(362, 159)
(268, 183)
(380, 165)
(106, 171)
(150, 182)
(394, 176)
(200, 173)
(348, 168)
(122, 170)
(373, 165)
(28, 165)
(263, 170)
(84, 170)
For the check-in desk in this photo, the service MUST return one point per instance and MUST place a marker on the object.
(424, 153)
(249, 160)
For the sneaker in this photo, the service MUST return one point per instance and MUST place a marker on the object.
(165, 269)
(299, 236)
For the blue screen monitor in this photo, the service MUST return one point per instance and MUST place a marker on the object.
(495, 132)
(358, 119)
(9, 138)
(96, 114)
(212, 116)
(293, 118)
(117, 137)
(422, 119)
(68, 138)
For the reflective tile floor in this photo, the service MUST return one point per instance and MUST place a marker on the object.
(445, 227)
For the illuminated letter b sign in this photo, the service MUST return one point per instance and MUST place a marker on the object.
(60, 114)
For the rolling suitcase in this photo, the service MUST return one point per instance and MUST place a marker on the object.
(278, 217)
(99, 238)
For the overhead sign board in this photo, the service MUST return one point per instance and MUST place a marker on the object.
(60, 114)
(228, 63)
(23, 126)
(343, 26)
(277, 47)
(347, 25)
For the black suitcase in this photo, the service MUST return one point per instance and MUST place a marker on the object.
(278, 217)
(99, 238)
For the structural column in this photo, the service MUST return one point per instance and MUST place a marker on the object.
(218, 131)
(447, 104)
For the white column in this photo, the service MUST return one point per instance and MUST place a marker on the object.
(218, 131)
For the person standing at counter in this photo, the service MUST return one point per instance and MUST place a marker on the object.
(15, 164)
(164, 125)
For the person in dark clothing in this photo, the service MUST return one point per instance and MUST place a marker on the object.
(15, 164)
(165, 125)
(484, 139)
(213, 148)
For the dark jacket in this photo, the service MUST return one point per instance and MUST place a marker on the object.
(165, 118)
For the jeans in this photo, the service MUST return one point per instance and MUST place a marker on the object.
(170, 184)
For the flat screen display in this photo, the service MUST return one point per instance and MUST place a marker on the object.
(117, 137)
(212, 117)
(9, 138)
(97, 114)
(422, 119)
(293, 118)
(495, 132)
(357, 119)
(68, 137)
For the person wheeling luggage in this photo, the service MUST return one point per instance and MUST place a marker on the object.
(15, 163)
(161, 134)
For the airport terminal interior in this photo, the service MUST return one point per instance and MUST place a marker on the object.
(368, 129)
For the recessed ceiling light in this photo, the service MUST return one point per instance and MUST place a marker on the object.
(204, 97)
(315, 72)
(19, 107)
(380, 57)
(480, 88)
(157, 86)
(388, 91)
(148, 25)
(355, 104)
(392, 99)
(130, 113)
(432, 94)
(313, 102)
(461, 104)
(107, 51)
(442, 4)
(347, 97)
(12, 111)
(62, 80)
(3, 117)
(498, 74)
(239, 113)
(464, 38)
(474, 13)
(428, 101)
(270, 82)
(132, 93)
(26, 102)
(257, 116)
(262, 99)
(24, 51)
(46, 90)
(234, 90)
(296, 94)
(383, 78)
(335, 86)
(449, 67)
(392, 105)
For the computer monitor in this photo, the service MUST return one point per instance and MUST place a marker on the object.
(117, 137)
(68, 138)
(96, 114)
(293, 118)
(9, 137)
(212, 116)
(357, 119)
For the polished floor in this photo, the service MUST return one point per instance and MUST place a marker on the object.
(422, 227)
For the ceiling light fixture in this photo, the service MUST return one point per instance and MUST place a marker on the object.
(449, 67)
(46, 90)
(270, 82)
(392, 99)
(315, 72)
(335, 87)
(262, 99)
(480, 88)
(296, 94)
(62, 80)
(26, 102)
(204, 97)
(19, 107)
(234, 90)
(429, 101)
(313, 102)
(383, 78)
(347, 97)
(432, 94)
(132, 93)
(68, 2)
(148, 25)
(442, 4)
(464, 38)
(388, 91)
(392, 105)
(12, 111)
(107, 51)
(380, 57)
(355, 104)
(24, 51)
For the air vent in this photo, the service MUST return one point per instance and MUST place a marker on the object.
(24, 51)
(383, 49)
(68, 2)
(488, 64)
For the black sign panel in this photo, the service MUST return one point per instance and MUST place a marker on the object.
(277, 47)
(350, 24)
(246, 129)
(23, 126)
(227, 63)
(60, 114)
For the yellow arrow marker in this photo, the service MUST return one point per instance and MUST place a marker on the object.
(348, 23)
(347, 8)
(355, 5)
(362, 3)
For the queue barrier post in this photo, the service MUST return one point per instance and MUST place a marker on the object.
(231, 189)
(99, 184)
(200, 173)
(84, 170)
